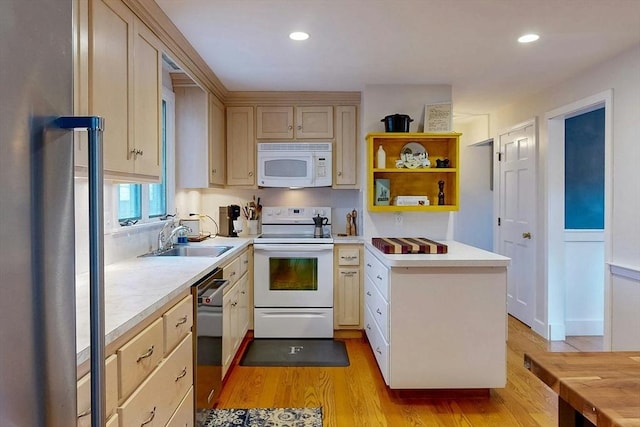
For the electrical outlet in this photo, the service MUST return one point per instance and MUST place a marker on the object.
(398, 218)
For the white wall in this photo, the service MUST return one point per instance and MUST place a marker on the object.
(474, 221)
(379, 101)
(622, 74)
(341, 201)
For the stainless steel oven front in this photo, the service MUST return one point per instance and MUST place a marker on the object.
(293, 290)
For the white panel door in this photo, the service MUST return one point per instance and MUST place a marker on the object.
(517, 214)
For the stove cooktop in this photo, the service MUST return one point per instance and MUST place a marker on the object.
(286, 224)
(292, 238)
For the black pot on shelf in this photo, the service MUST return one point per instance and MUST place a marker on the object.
(397, 123)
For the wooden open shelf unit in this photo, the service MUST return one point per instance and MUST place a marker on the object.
(421, 181)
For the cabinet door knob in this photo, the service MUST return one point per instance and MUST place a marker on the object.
(251, 173)
(290, 127)
(339, 173)
(299, 127)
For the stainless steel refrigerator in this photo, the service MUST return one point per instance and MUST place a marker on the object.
(37, 288)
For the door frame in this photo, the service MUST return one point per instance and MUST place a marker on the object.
(554, 212)
(497, 203)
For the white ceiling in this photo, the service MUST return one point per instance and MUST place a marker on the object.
(469, 44)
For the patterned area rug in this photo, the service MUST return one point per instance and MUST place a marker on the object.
(260, 417)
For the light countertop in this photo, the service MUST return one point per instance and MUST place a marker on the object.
(458, 255)
(136, 288)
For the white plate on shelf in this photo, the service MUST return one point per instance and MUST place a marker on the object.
(414, 148)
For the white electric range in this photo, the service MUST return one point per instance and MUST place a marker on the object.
(293, 274)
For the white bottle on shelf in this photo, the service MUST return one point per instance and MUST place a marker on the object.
(382, 158)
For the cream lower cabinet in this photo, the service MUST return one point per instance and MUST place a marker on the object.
(235, 308)
(348, 287)
(436, 327)
(149, 379)
(183, 417)
(156, 400)
(111, 388)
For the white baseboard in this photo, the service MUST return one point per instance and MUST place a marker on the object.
(584, 327)
(557, 332)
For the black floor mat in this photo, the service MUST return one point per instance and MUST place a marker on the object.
(295, 352)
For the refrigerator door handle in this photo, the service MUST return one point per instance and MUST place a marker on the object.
(94, 125)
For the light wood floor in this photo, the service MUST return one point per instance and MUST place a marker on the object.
(356, 396)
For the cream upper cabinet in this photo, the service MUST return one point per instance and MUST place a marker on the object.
(124, 79)
(285, 122)
(200, 141)
(274, 122)
(192, 136)
(314, 122)
(241, 147)
(147, 101)
(216, 142)
(346, 148)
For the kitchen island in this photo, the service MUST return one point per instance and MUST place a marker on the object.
(438, 321)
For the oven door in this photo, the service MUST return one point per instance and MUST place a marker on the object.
(293, 275)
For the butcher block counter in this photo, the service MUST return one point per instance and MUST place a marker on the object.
(438, 321)
(602, 387)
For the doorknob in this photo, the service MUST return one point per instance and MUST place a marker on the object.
(526, 235)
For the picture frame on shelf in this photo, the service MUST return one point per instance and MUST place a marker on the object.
(438, 117)
(382, 192)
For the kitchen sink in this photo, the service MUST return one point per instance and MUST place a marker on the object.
(201, 251)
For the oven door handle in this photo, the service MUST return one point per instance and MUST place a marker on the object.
(288, 247)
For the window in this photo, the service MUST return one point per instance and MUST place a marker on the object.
(129, 202)
(147, 202)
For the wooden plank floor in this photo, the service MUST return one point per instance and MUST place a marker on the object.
(356, 396)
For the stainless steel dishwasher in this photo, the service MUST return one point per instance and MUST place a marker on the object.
(207, 296)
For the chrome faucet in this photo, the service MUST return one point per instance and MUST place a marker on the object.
(163, 244)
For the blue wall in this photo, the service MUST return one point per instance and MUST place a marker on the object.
(584, 171)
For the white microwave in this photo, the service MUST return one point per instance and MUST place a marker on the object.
(294, 164)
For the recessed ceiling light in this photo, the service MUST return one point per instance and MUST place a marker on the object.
(528, 38)
(298, 35)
